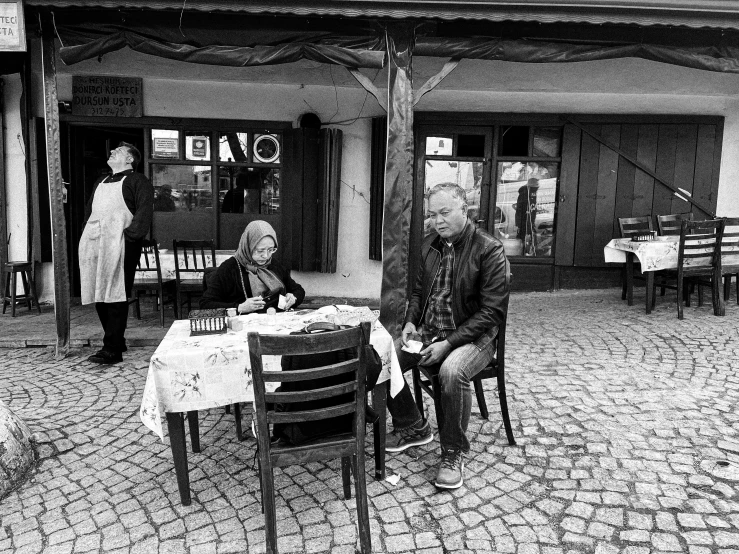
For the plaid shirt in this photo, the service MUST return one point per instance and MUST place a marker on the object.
(439, 320)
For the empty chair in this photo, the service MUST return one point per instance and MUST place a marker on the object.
(149, 278)
(629, 227)
(29, 286)
(347, 446)
(730, 255)
(191, 257)
(670, 224)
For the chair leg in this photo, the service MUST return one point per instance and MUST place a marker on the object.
(700, 295)
(6, 294)
(718, 301)
(26, 291)
(138, 304)
(479, 393)
(436, 387)
(737, 286)
(12, 294)
(727, 287)
(192, 422)
(680, 294)
(270, 511)
(35, 296)
(346, 477)
(160, 299)
(360, 484)
(417, 392)
(504, 411)
(623, 283)
(178, 303)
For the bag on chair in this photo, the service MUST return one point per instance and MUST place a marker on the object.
(302, 432)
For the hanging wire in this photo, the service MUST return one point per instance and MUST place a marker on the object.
(182, 11)
(53, 20)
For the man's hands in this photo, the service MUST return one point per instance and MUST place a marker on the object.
(289, 301)
(435, 353)
(408, 330)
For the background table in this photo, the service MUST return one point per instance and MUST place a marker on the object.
(187, 374)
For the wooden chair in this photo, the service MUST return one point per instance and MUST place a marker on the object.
(349, 446)
(190, 257)
(730, 255)
(670, 224)
(151, 280)
(699, 262)
(29, 286)
(426, 379)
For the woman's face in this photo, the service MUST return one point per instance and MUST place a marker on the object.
(263, 251)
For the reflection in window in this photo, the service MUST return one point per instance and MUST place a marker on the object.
(233, 147)
(255, 191)
(525, 207)
(467, 175)
(547, 141)
(514, 140)
(179, 188)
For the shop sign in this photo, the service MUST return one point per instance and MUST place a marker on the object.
(107, 96)
(12, 26)
(166, 148)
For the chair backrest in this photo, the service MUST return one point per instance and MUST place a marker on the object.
(193, 256)
(630, 226)
(700, 246)
(149, 259)
(295, 345)
(670, 224)
(730, 245)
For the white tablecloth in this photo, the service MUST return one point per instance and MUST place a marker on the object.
(195, 373)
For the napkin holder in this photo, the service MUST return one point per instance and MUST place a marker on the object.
(644, 237)
(207, 322)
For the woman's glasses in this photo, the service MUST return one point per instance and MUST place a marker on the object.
(265, 251)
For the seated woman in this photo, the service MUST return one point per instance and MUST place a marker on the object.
(244, 281)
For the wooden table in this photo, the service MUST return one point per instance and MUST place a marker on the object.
(187, 374)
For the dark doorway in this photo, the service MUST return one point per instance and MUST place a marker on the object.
(89, 149)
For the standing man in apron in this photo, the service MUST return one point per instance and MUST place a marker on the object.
(117, 217)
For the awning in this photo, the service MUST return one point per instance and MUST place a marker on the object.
(720, 14)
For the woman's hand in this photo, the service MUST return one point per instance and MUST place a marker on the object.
(253, 304)
(290, 300)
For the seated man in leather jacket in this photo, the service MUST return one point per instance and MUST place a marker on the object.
(459, 299)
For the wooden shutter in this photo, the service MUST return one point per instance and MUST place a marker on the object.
(685, 153)
(377, 185)
(328, 199)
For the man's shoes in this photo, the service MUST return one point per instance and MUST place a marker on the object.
(450, 470)
(415, 435)
(105, 357)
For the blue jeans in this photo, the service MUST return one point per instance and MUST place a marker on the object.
(455, 374)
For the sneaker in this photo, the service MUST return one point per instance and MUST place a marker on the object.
(105, 357)
(410, 436)
(450, 470)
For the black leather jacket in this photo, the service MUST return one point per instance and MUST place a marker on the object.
(480, 284)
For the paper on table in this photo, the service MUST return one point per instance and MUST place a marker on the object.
(414, 346)
(281, 302)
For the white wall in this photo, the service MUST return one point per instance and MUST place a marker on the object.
(15, 170)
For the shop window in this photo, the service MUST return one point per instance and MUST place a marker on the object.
(249, 190)
(181, 188)
(165, 144)
(547, 142)
(266, 148)
(197, 146)
(439, 146)
(514, 140)
(471, 146)
(467, 175)
(233, 147)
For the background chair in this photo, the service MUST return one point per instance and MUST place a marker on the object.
(730, 255)
(151, 280)
(699, 263)
(670, 224)
(191, 257)
(348, 446)
(29, 286)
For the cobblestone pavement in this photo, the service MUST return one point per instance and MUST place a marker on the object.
(627, 443)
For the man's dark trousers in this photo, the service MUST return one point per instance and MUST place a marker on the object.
(114, 315)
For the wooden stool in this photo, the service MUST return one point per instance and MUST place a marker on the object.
(29, 286)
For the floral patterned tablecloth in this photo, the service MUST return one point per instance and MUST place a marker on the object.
(195, 373)
(657, 254)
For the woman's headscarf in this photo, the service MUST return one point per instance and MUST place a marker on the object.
(260, 278)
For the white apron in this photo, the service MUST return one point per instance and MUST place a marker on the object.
(102, 246)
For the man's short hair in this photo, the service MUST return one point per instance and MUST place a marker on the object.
(451, 188)
(135, 154)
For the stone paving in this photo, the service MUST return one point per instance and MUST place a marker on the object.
(627, 443)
